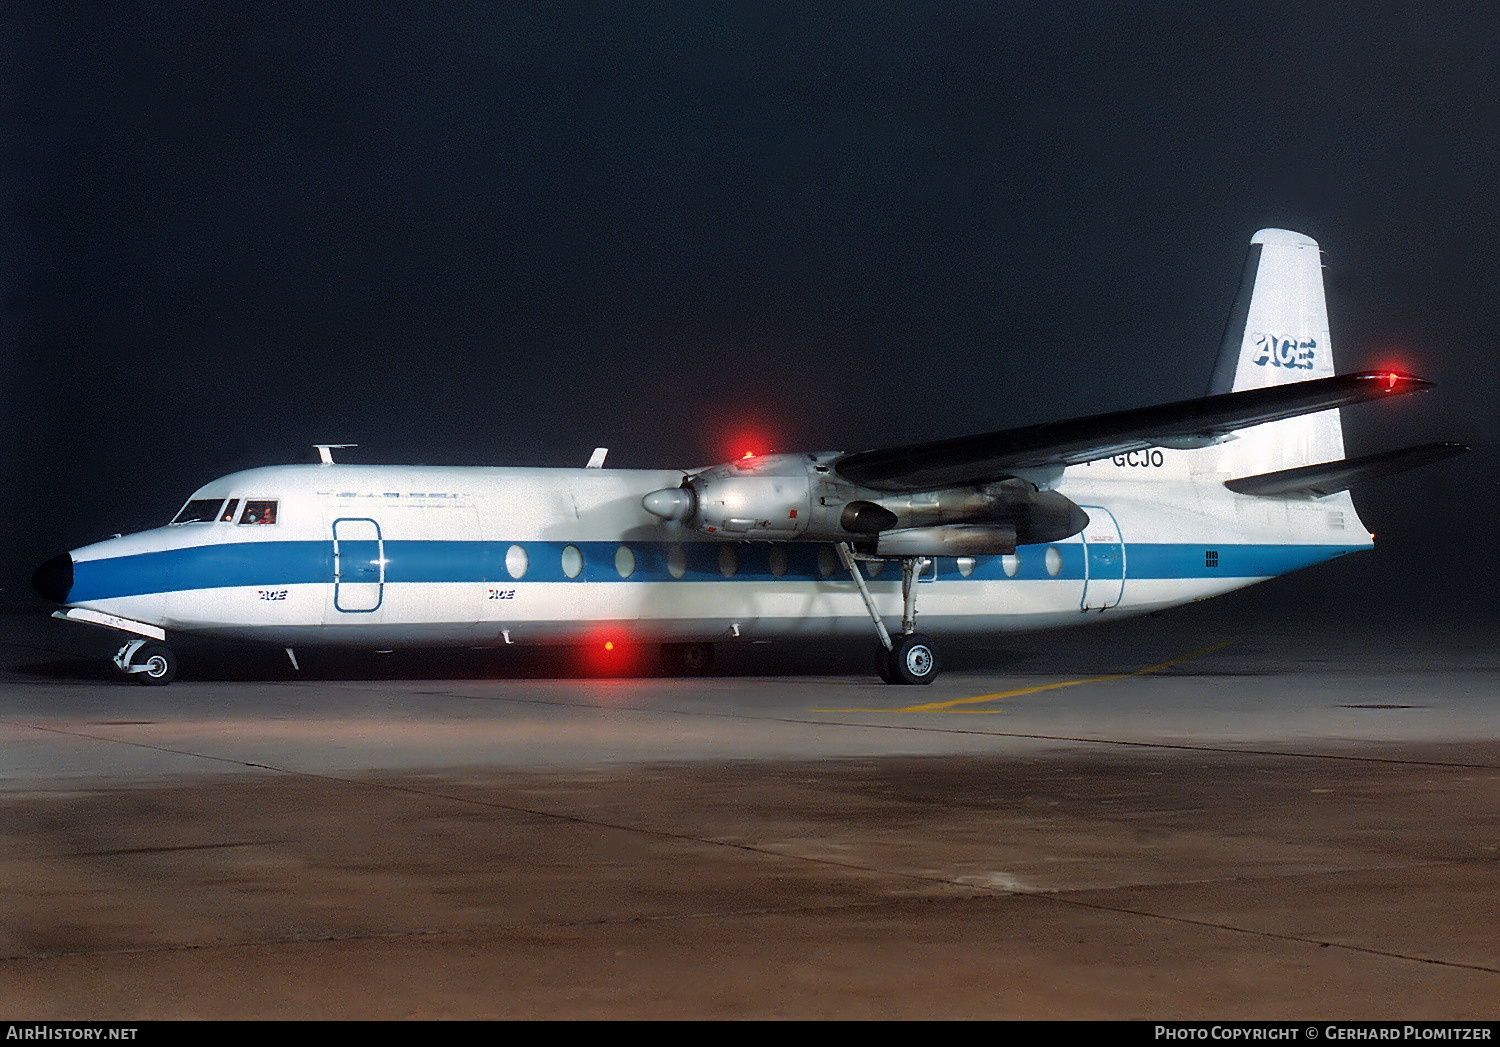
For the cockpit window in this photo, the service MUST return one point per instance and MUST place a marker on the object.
(227, 516)
(199, 510)
(259, 513)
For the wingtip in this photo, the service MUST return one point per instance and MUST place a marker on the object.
(1395, 383)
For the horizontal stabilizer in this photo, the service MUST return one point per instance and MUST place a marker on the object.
(995, 456)
(1317, 481)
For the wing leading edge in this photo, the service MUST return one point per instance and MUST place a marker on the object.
(996, 456)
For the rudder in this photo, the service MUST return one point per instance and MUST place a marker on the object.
(1278, 333)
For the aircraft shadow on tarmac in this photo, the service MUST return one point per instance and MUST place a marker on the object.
(203, 661)
(1235, 637)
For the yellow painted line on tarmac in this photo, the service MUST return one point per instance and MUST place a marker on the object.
(958, 704)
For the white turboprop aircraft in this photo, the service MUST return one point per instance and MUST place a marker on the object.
(1046, 525)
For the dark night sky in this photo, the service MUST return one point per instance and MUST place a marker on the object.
(508, 233)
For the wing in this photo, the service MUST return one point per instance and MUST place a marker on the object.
(1188, 423)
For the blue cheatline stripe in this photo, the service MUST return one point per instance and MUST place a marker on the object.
(294, 563)
(203, 567)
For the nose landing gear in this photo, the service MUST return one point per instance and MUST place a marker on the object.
(149, 662)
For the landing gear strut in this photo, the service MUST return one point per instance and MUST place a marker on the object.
(149, 662)
(910, 658)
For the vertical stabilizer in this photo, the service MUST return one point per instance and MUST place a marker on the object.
(1278, 333)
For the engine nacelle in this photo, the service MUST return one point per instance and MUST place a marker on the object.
(768, 497)
(797, 496)
(948, 540)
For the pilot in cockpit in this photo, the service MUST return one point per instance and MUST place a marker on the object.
(259, 513)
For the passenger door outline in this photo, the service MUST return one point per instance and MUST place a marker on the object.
(358, 565)
(1103, 560)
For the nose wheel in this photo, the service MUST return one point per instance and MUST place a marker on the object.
(148, 662)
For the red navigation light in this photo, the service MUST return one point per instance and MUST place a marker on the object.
(1393, 365)
(745, 444)
(607, 654)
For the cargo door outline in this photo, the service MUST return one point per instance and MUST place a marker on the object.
(358, 565)
(1103, 560)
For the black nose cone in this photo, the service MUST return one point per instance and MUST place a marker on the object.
(54, 579)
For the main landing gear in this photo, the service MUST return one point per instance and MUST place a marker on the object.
(687, 659)
(149, 662)
(910, 657)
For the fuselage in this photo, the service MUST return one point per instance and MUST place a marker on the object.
(398, 556)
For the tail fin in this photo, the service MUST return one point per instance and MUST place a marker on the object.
(1278, 333)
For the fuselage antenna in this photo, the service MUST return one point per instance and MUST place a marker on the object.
(325, 451)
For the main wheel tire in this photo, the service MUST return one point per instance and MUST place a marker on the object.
(688, 659)
(912, 660)
(158, 665)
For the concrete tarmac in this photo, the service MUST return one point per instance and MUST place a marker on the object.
(1207, 815)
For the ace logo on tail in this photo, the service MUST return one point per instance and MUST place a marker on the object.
(1276, 351)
